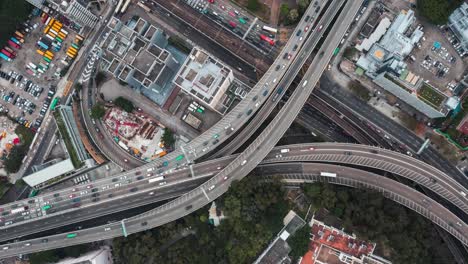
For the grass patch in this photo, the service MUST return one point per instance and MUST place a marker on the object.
(66, 138)
(432, 97)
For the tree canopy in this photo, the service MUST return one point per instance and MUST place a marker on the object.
(437, 11)
(98, 111)
(125, 104)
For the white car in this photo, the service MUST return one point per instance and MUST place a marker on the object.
(211, 188)
(107, 229)
(243, 162)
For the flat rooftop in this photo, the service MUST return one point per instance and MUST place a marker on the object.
(202, 74)
(49, 173)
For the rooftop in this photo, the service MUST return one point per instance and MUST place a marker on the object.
(202, 75)
(49, 173)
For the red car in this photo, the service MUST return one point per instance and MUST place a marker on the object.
(71, 195)
(89, 186)
(222, 7)
(211, 1)
(232, 14)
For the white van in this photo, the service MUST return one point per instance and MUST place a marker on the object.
(284, 150)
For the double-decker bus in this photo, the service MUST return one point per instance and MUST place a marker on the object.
(270, 29)
(267, 39)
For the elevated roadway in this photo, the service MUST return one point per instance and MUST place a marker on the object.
(114, 199)
(291, 173)
(304, 53)
(237, 117)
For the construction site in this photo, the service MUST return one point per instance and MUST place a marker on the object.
(138, 135)
(8, 138)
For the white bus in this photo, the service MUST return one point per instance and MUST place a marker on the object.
(123, 145)
(270, 29)
(18, 210)
(160, 178)
(328, 174)
(63, 31)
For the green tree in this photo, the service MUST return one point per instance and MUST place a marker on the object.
(125, 104)
(303, 4)
(15, 158)
(293, 15)
(100, 78)
(437, 11)
(359, 90)
(253, 5)
(98, 111)
(284, 11)
(78, 87)
(299, 242)
(168, 138)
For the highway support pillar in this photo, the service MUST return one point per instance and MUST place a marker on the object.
(124, 230)
(423, 146)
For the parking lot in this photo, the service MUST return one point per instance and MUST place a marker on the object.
(435, 59)
(28, 81)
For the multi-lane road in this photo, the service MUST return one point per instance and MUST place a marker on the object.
(241, 165)
(294, 171)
